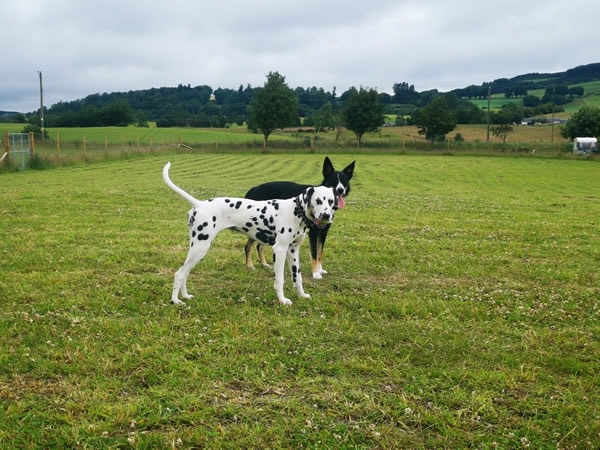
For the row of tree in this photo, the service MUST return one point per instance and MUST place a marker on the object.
(202, 106)
(275, 105)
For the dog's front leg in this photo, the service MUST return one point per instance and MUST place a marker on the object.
(279, 252)
(293, 258)
(180, 284)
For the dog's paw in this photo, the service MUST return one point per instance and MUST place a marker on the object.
(285, 301)
(322, 271)
(177, 302)
(188, 296)
(317, 275)
(305, 295)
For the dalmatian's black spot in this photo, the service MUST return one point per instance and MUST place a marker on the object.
(227, 200)
(203, 237)
(265, 236)
(238, 204)
(276, 205)
(249, 224)
(319, 201)
(192, 219)
(214, 218)
(282, 230)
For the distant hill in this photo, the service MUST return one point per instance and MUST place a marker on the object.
(521, 84)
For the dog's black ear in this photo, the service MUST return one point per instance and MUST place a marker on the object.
(327, 167)
(308, 194)
(349, 170)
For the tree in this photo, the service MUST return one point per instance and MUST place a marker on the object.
(20, 118)
(323, 118)
(509, 113)
(584, 123)
(502, 131)
(117, 113)
(274, 106)
(363, 113)
(404, 93)
(531, 101)
(435, 120)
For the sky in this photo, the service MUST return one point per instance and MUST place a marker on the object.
(86, 47)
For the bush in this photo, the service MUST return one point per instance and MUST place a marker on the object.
(36, 130)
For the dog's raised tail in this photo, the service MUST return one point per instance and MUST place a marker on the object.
(193, 201)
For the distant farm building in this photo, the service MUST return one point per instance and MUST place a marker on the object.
(542, 121)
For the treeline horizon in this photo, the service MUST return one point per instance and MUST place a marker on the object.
(203, 106)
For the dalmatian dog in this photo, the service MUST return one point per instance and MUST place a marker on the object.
(279, 223)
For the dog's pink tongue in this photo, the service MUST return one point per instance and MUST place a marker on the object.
(341, 202)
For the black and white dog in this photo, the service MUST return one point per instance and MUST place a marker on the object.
(338, 180)
(280, 223)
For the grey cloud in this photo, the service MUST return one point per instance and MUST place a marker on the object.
(93, 47)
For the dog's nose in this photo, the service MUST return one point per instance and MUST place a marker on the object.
(325, 216)
(340, 190)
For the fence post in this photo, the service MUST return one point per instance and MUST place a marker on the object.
(6, 147)
(58, 143)
(32, 143)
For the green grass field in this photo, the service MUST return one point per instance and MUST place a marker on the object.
(460, 309)
(134, 136)
(76, 145)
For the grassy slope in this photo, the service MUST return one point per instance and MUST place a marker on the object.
(460, 310)
(591, 97)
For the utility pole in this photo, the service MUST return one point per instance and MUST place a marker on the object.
(488, 112)
(41, 105)
(552, 140)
